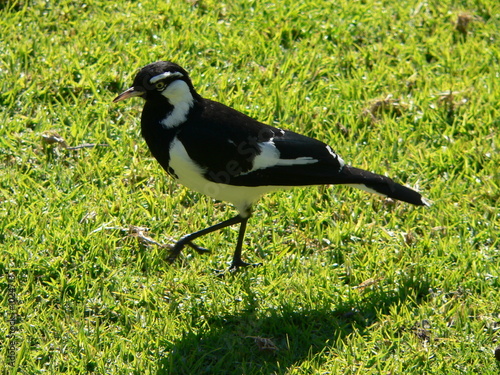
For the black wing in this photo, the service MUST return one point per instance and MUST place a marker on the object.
(235, 149)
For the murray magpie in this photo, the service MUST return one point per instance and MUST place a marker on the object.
(218, 151)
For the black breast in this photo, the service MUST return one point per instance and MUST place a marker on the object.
(157, 137)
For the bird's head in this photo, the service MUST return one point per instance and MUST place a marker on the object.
(161, 80)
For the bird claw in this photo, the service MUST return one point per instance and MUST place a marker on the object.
(173, 255)
(235, 266)
(198, 249)
(179, 245)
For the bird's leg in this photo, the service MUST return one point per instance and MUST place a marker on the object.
(189, 238)
(237, 262)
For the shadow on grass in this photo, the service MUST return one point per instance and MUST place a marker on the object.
(229, 346)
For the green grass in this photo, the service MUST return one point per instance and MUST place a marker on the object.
(350, 284)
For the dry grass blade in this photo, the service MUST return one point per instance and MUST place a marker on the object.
(369, 282)
(51, 137)
(264, 344)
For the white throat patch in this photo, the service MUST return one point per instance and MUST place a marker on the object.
(179, 95)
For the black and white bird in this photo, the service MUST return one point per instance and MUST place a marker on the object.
(218, 151)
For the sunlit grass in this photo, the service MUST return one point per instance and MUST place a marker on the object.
(350, 283)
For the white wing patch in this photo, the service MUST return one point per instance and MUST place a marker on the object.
(179, 95)
(365, 188)
(270, 156)
(336, 156)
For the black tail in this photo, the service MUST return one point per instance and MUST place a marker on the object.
(319, 174)
(382, 185)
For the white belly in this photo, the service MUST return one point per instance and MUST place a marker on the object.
(191, 175)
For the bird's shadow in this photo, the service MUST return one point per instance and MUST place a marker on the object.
(250, 343)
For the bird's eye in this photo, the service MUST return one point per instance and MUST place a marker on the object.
(160, 85)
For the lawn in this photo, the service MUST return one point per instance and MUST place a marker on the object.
(351, 283)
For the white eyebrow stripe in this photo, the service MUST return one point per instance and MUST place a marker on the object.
(159, 77)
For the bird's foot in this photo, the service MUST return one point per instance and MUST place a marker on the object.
(173, 254)
(235, 266)
(179, 245)
(198, 249)
(238, 263)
